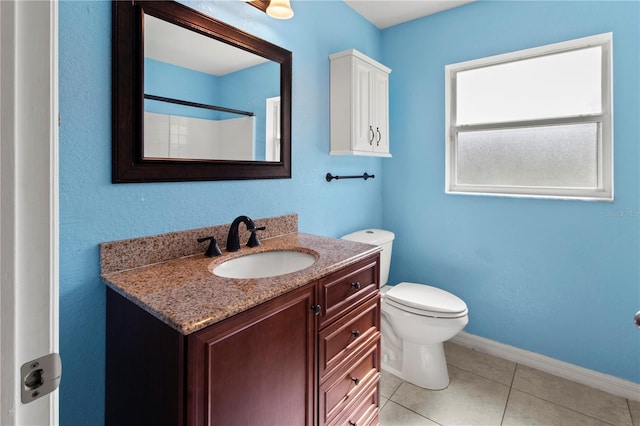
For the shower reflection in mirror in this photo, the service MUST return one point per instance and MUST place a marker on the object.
(199, 107)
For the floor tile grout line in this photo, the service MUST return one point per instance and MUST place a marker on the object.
(431, 420)
(510, 388)
(506, 403)
(558, 404)
(415, 412)
(481, 376)
(407, 408)
(394, 391)
(630, 413)
(538, 397)
(582, 413)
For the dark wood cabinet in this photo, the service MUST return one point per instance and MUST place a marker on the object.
(349, 345)
(286, 361)
(256, 368)
(145, 367)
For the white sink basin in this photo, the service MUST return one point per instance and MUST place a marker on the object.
(265, 264)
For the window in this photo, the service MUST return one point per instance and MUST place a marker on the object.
(536, 122)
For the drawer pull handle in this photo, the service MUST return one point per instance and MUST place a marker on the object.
(355, 380)
(356, 285)
(355, 333)
(351, 423)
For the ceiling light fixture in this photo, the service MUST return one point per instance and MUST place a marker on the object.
(279, 9)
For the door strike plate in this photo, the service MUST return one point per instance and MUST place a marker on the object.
(40, 377)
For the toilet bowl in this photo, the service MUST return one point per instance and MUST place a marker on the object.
(413, 332)
(416, 320)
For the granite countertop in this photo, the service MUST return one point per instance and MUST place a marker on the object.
(187, 296)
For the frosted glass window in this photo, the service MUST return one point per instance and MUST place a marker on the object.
(554, 156)
(536, 122)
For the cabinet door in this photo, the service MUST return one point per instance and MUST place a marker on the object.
(257, 367)
(380, 110)
(362, 128)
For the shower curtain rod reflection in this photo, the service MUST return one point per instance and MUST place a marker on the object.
(365, 176)
(197, 105)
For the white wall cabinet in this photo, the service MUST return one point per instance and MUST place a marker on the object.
(359, 105)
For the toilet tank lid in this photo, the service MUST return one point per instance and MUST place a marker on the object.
(370, 236)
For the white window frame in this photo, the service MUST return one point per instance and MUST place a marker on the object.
(604, 190)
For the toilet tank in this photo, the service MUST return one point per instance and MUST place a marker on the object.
(376, 237)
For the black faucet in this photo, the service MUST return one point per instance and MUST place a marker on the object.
(233, 239)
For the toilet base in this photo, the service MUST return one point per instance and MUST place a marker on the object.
(425, 365)
(422, 365)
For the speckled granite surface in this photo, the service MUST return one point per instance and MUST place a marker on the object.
(133, 253)
(185, 294)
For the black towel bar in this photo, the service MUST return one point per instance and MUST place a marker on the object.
(365, 176)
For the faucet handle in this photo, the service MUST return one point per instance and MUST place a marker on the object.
(253, 239)
(213, 249)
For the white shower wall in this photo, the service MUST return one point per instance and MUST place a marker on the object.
(172, 136)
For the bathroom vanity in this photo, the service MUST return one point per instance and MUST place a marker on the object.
(186, 347)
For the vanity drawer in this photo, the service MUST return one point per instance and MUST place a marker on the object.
(364, 410)
(345, 385)
(342, 338)
(340, 291)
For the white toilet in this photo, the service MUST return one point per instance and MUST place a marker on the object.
(416, 320)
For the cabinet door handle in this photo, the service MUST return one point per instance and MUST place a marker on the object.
(379, 136)
(356, 285)
(355, 333)
(355, 380)
(351, 423)
(316, 309)
(372, 135)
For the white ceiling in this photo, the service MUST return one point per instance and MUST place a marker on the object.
(387, 13)
(165, 42)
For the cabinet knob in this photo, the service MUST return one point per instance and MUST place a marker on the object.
(316, 309)
(355, 333)
(355, 380)
(356, 285)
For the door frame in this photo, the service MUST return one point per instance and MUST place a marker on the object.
(29, 290)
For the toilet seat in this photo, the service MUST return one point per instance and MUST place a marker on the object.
(425, 300)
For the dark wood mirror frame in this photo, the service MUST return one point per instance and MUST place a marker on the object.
(128, 103)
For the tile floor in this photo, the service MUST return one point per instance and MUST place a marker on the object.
(486, 390)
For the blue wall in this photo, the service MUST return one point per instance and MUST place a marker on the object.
(560, 278)
(92, 210)
(555, 277)
(172, 81)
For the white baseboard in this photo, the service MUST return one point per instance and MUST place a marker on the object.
(604, 382)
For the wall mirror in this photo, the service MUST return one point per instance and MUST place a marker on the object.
(196, 99)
